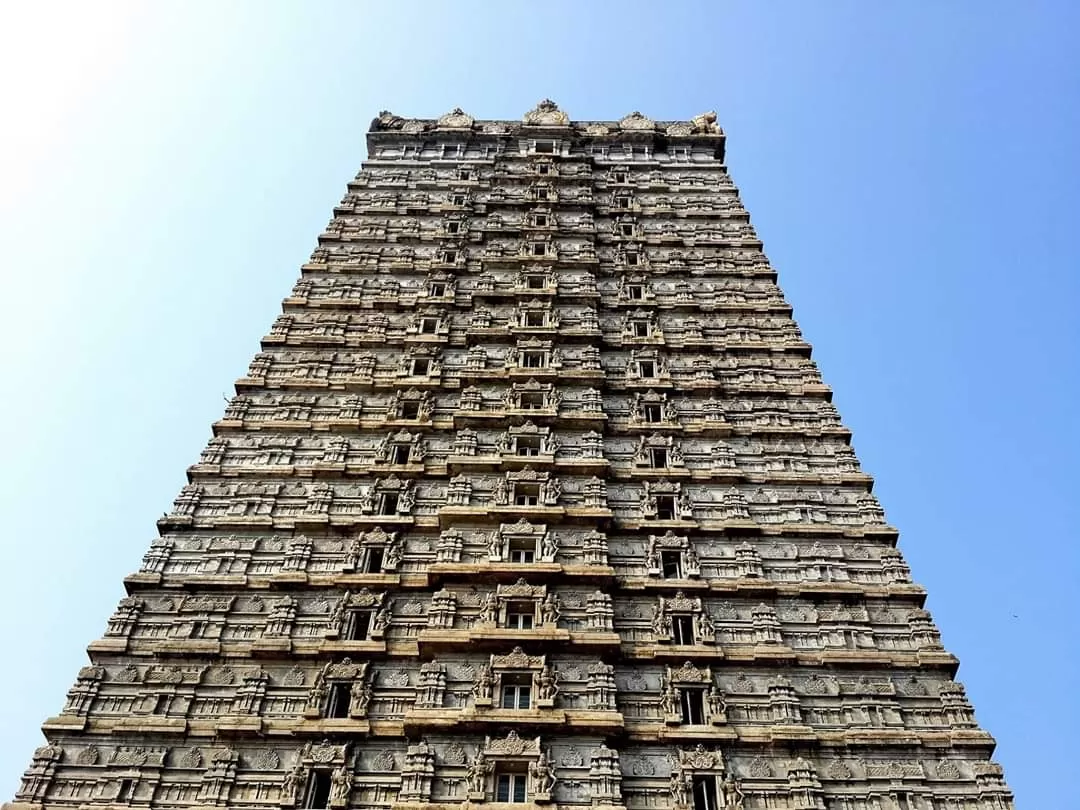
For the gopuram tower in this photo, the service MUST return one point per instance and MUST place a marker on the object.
(533, 496)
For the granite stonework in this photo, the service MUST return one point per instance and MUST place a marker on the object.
(533, 495)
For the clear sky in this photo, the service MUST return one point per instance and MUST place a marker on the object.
(912, 167)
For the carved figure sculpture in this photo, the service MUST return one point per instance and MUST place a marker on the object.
(485, 681)
(341, 784)
(549, 609)
(290, 785)
(547, 683)
(732, 793)
(543, 778)
(478, 770)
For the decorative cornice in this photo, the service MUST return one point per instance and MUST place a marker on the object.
(547, 119)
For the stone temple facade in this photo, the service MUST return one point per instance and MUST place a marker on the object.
(532, 496)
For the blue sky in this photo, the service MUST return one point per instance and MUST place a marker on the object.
(912, 168)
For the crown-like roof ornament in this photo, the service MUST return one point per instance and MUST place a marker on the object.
(547, 114)
(456, 119)
(637, 121)
(706, 124)
(387, 120)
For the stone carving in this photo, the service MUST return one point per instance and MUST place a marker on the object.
(341, 785)
(266, 759)
(732, 795)
(547, 114)
(547, 683)
(128, 674)
(680, 786)
(385, 761)
(485, 682)
(387, 120)
(542, 776)
(360, 695)
(291, 784)
(669, 700)
(637, 121)
(90, 755)
(605, 773)
(478, 772)
(946, 769)
(700, 758)
(760, 768)
(457, 119)
(517, 659)
(838, 769)
(572, 758)
(513, 745)
(418, 773)
(189, 758)
(705, 124)
(549, 609)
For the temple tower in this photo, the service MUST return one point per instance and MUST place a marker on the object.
(532, 496)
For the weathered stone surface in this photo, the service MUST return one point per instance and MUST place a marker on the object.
(533, 493)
